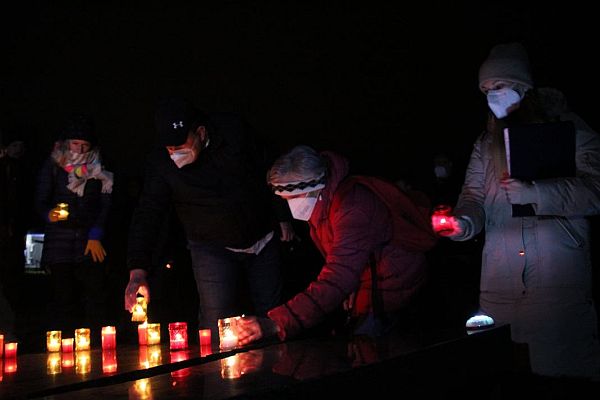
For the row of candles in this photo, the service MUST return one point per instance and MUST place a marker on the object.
(148, 334)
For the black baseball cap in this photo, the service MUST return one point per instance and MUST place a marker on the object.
(175, 117)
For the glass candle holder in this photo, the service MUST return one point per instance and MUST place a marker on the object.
(227, 333)
(53, 364)
(82, 339)
(1, 345)
(139, 310)
(53, 340)
(67, 345)
(441, 218)
(143, 334)
(153, 334)
(63, 211)
(205, 337)
(178, 338)
(109, 337)
(10, 350)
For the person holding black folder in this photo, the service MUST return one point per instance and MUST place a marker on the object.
(536, 268)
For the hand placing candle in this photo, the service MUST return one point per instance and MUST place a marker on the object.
(251, 329)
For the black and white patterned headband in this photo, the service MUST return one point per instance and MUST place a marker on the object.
(299, 187)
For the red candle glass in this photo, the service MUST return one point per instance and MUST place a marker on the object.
(10, 350)
(178, 338)
(143, 334)
(109, 337)
(1, 345)
(205, 337)
(67, 345)
(441, 218)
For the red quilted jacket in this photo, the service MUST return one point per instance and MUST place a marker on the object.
(346, 237)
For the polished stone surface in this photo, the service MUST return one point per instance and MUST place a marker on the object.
(268, 370)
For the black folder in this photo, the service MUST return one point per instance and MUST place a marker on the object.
(539, 151)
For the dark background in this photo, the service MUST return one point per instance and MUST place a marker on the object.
(387, 84)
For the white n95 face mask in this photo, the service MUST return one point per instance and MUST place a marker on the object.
(183, 157)
(501, 100)
(302, 207)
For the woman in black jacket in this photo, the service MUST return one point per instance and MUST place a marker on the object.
(73, 196)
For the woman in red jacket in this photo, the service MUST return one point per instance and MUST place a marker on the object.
(352, 232)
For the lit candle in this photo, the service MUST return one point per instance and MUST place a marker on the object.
(82, 339)
(67, 345)
(10, 349)
(143, 334)
(153, 334)
(53, 364)
(109, 361)
(139, 310)
(109, 337)
(204, 335)
(178, 335)
(63, 211)
(53, 340)
(441, 219)
(227, 333)
(83, 364)
(1, 345)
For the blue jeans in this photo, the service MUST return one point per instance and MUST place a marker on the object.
(219, 271)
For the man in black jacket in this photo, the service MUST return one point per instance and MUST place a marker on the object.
(211, 170)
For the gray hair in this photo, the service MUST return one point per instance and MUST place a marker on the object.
(301, 163)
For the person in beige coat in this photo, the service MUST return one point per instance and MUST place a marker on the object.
(536, 270)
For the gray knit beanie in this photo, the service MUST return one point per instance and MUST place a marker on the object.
(507, 62)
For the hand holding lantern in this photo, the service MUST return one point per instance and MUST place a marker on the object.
(59, 213)
(444, 223)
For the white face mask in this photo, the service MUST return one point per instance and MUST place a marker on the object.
(302, 207)
(183, 157)
(501, 100)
